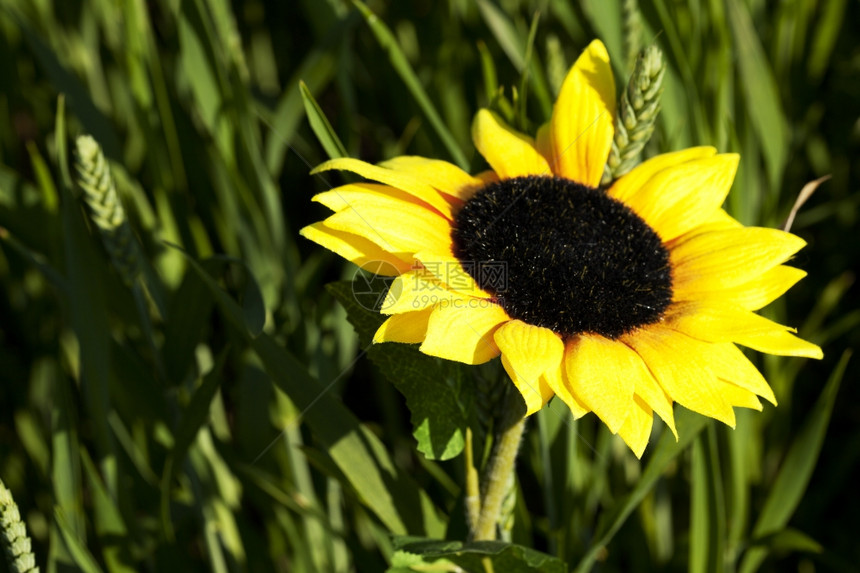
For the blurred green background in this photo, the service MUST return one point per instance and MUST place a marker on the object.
(218, 414)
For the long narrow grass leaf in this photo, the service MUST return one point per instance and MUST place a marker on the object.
(319, 123)
(401, 65)
(689, 426)
(84, 560)
(794, 475)
(761, 96)
(107, 521)
(193, 418)
(389, 492)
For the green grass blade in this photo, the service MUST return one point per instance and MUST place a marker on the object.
(520, 52)
(66, 82)
(401, 65)
(825, 36)
(389, 492)
(317, 70)
(794, 475)
(504, 32)
(700, 522)
(708, 516)
(193, 418)
(761, 95)
(107, 520)
(87, 275)
(689, 426)
(319, 123)
(81, 555)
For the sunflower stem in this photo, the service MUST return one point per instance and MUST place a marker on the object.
(473, 488)
(497, 479)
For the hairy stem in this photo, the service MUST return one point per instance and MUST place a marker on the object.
(473, 489)
(500, 467)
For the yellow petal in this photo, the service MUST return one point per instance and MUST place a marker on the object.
(679, 363)
(447, 269)
(680, 198)
(409, 328)
(636, 430)
(781, 343)
(581, 126)
(727, 323)
(555, 379)
(632, 182)
(444, 176)
(724, 259)
(751, 295)
(737, 396)
(527, 352)
(416, 290)
(509, 153)
(602, 373)
(731, 365)
(403, 181)
(342, 197)
(396, 226)
(648, 390)
(720, 221)
(355, 249)
(464, 333)
(488, 176)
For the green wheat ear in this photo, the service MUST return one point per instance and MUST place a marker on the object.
(105, 208)
(632, 22)
(16, 544)
(637, 114)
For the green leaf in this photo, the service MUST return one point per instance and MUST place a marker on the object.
(761, 95)
(504, 32)
(319, 123)
(63, 80)
(438, 392)
(825, 36)
(788, 540)
(708, 514)
(415, 554)
(689, 425)
(518, 49)
(401, 65)
(189, 310)
(195, 415)
(794, 475)
(86, 269)
(384, 488)
(109, 525)
(317, 69)
(77, 549)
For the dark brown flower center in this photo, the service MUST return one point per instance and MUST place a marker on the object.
(564, 256)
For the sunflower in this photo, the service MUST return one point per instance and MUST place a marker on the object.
(620, 300)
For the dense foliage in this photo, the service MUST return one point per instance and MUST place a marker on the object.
(178, 390)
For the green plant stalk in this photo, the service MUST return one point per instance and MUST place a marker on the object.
(632, 32)
(473, 487)
(500, 468)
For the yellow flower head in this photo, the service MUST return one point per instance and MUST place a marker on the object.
(619, 300)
